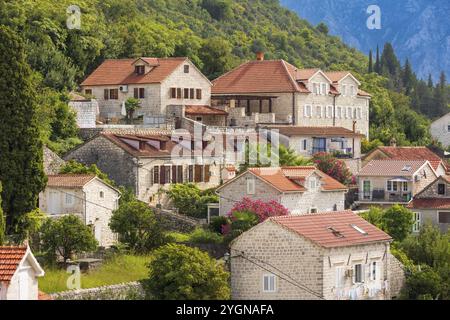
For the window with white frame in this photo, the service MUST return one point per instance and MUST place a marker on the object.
(343, 113)
(349, 113)
(269, 283)
(319, 111)
(358, 273)
(304, 145)
(340, 277)
(338, 112)
(251, 186)
(102, 194)
(313, 183)
(344, 90)
(374, 271)
(323, 89)
(352, 91)
(417, 221)
(307, 111)
(329, 111)
(69, 200)
(359, 113)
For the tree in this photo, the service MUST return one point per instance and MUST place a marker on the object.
(390, 66)
(178, 272)
(216, 54)
(131, 105)
(218, 9)
(21, 151)
(137, 226)
(322, 28)
(408, 78)
(398, 221)
(333, 167)
(423, 284)
(378, 62)
(2, 220)
(190, 200)
(67, 236)
(73, 167)
(370, 62)
(288, 158)
(367, 146)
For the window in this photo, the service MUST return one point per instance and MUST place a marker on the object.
(344, 90)
(444, 217)
(342, 113)
(70, 200)
(192, 93)
(441, 189)
(313, 210)
(448, 128)
(186, 68)
(88, 92)
(179, 92)
(352, 91)
(340, 277)
(367, 190)
(313, 183)
(329, 111)
(114, 94)
(307, 111)
(405, 186)
(106, 94)
(338, 112)
(349, 113)
(140, 70)
(102, 194)
(319, 111)
(199, 94)
(358, 273)
(156, 175)
(191, 173)
(139, 93)
(417, 221)
(323, 89)
(374, 271)
(199, 119)
(186, 93)
(269, 283)
(304, 144)
(173, 93)
(167, 176)
(251, 186)
(392, 186)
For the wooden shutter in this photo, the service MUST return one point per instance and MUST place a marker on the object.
(198, 173)
(179, 92)
(136, 93)
(174, 174)
(207, 173)
(106, 94)
(191, 173)
(180, 174)
(173, 93)
(199, 94)
(141, 93)
(191, 93)
(186, 93)
(156, 175)
(162, 176)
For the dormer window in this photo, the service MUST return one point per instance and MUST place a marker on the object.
(139, 70)
(313, 183)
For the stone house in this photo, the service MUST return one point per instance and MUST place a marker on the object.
(156, 82)
(276, 92)
(330, 256)
(407, 153)
(432, 205)
(146, 161)
(387, 182)
(86, 196)
(440, 130)
(300, 189)
(86, 110)
(19, 273)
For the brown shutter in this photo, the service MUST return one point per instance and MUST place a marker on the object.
(180, 174)
(136, 93)
(141, 93)
(156, 175)
(162, 176)
(179, 93)
(192, 94)
(207, 173)
(174, 174)
(173, 93)
(106, 94)
(199, 94)
(186, 93)
(198, 173)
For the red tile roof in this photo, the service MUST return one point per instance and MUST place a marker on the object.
(291, 179)
(121, 71)
(319, 228)
(10, 258)
(204, 110)
(337, 76)
(412, 153)
(388, 168)
(315, 131)
(69, 180)
(269, 76)
(430, 203)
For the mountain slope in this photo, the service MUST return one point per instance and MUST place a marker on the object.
(418, 29)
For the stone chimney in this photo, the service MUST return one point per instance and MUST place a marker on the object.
(260, 56)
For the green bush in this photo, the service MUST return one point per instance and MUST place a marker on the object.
(423, 284)
(178, 272)
(190, 200)
(200, 235)
(217, 223)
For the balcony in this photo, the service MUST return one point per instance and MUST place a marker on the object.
(383, 196)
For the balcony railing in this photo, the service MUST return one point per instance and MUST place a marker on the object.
(380, 195)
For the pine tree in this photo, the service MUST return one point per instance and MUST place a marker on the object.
(370, 62)
(430, 81)
(390, 66)
(378, 62)
(21, 152)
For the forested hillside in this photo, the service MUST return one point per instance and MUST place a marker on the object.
(216, 34)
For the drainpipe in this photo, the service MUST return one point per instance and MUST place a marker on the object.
(334, 110)
(293, 110)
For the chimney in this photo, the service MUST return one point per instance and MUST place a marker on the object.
(354, 126)
(393, 142)
(142, 145)
(260, 56)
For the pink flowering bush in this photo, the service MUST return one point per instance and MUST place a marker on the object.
(333, 167)
(248, 213)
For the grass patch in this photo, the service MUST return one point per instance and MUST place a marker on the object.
(119, 269)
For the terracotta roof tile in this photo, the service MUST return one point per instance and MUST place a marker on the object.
(10, 258)
(387, 168)
(412, 153)
(121, 71)
(319, 228)
(430, 203)
(269, 76)
(291, 179)
(204, 110)
(305, 74)
(315, 131)
(337, 76)
(69, 180)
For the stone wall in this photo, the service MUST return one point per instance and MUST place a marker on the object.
(52, 162)
(177, 222)
(396, 275)
(125, 291)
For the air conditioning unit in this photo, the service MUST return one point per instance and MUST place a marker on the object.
(124, 88)
(417, 178)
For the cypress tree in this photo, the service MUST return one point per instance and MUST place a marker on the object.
(370, 62)
(430, 81)
(377, 61)
(408, 78)
(21, 151)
